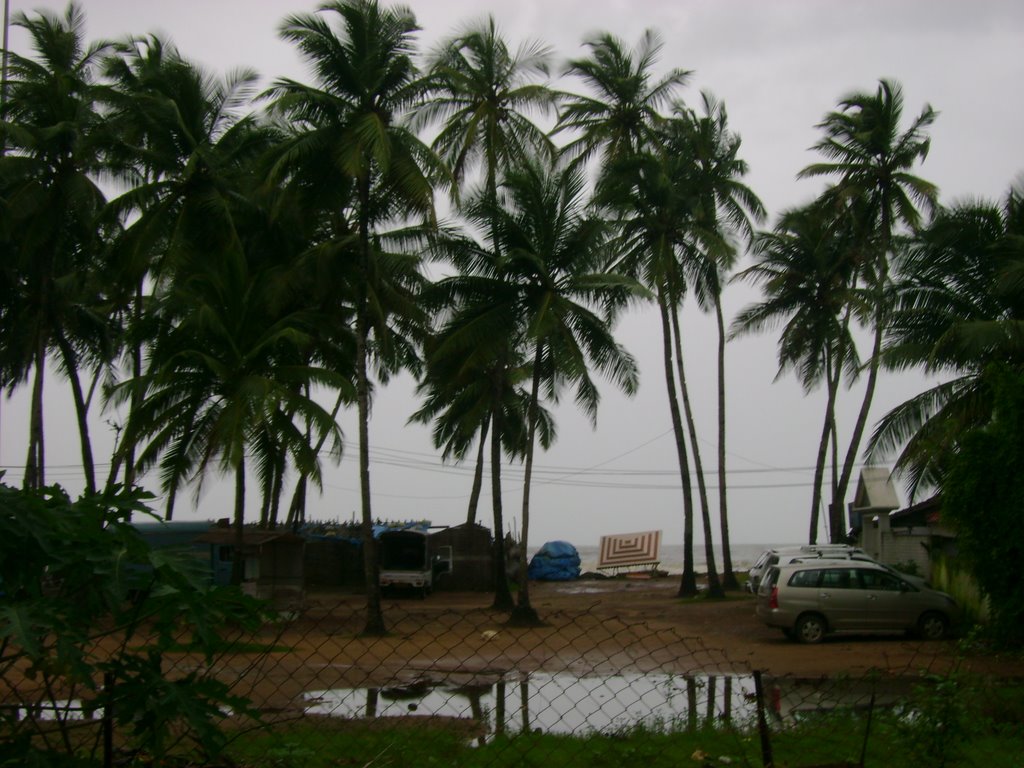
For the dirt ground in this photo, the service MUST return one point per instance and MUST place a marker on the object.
(591, 627)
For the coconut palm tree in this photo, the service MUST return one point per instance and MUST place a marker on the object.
(350, 122)
(620, 116)
(807, 273)
(651, 198)
(960, 304)
(223, 378)
(621, 125)
(555, 261)
(54, 137)
(476, 372)
(188, 149)
(727, 210)
(871, 156)
(484, 95)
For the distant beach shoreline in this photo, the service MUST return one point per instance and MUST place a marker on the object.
(671, 557)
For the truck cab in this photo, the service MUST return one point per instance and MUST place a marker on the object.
(409, 563)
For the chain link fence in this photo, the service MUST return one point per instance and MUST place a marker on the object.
(462, 687)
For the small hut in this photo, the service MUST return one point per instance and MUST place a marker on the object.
(471, 551)
(274, 562)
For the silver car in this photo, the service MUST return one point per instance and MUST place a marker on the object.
(810, 600)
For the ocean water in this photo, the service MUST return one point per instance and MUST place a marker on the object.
(743, 556)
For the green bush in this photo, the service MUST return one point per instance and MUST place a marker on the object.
(983, 495)
(88, 612)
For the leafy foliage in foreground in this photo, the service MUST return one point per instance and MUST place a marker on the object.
(984, 495)
(88, 612)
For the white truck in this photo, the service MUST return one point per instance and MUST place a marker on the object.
(409, 563)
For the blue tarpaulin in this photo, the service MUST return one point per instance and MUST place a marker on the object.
(555, 561)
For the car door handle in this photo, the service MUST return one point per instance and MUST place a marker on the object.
(872, 597)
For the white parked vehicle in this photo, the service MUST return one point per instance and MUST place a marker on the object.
(786, 555)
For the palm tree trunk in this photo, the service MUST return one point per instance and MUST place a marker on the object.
(881, 314)
(297, 507)
(172, 495)
(729, 575)
(35, 464)
(714, 586)
(81, 411)
(371, 571)
(478, 474)
(524, 614)
(688, 583)
(137, 391)
(502, 594)
(278, 489)
(838, 508)
(238, 563)
(827, 429)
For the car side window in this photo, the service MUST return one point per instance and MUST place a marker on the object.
(808, 578)
(880, 581)
(836, 578)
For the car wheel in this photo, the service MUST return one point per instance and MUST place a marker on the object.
(810, 628)
(933, 626)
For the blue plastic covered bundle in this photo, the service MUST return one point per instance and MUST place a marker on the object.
(555, 561)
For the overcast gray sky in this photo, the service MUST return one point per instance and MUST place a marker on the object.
(779, 67)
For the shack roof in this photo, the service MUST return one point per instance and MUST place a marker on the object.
(249, 538)
(875, 490)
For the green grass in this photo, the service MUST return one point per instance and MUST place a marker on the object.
(817, 739)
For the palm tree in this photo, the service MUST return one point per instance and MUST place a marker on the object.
(726, 209)
(474, 386)
(555, 261)
(650, 196)
(960, 303)
(54, 136)
(350, 123)
(619, 119)
(872, 158)
(621, 125)
(222, 378)
(188, 150)
(806, 270)
(484, 94)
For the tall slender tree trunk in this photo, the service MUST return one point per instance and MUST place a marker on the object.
(714, 586)
(297, 507)
(729, 580)
(688, 583)
(478, 473)
(881, 313)
(827, 429)
(524, 614)
(238, 563)
(371, 569)
(81, 411)
(137, 390)
(278, 489)
(35, 464)
(502, 594)
(837, 521)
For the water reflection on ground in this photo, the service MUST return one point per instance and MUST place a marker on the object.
(554, 703)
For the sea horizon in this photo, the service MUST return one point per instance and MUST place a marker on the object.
(671, 556)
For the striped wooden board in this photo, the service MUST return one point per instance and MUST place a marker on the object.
(623, 550)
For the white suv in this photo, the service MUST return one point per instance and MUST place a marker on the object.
(785, 555)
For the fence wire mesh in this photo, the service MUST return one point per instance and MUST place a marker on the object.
(466, 688)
